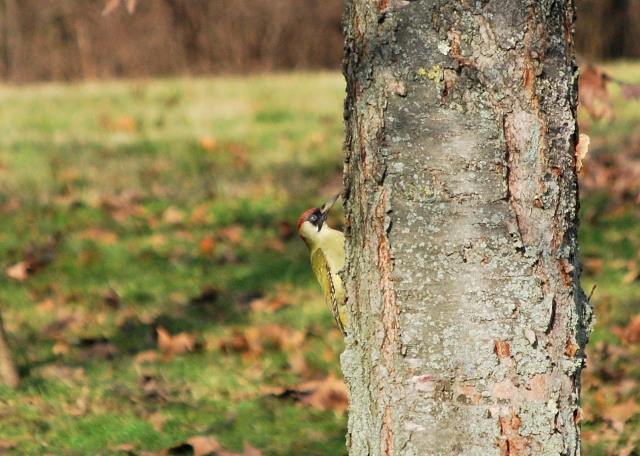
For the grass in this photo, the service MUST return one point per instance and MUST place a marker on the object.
(162, 191)
(172, 204)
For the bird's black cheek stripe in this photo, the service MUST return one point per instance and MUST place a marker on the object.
(319, 219)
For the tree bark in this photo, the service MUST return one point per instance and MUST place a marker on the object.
(467, 319)
(12, 41)
(8, 373)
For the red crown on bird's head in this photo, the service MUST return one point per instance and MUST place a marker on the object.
(304, 216)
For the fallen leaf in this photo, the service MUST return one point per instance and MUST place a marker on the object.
(200, 445)
(68, 375)
(631, 333)
(248, 451)
(60, 348)
(231, 233)
(582, 148)
(19, 271)
(148, 356)
(111, 298)
(7, 444)
(298, 363)
(153, 389)
(592, 265)
(173, 215)
(206, 246)
(200, 215)
(126, 447)
(105, 237)
(157, 420)
(276, 245)
(208, 143)
(329, 393)
(123, 123)
(630, 276)
(269, 306)
(286, 230)
(619, 414)
(630, 91)
(171, 345)
(593, 95)
(97, 349)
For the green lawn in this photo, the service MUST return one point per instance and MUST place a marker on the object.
(166, 204)
(172, 204)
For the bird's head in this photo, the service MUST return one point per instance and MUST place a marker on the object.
(312, 221)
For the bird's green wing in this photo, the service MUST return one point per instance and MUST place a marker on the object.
(326, 279)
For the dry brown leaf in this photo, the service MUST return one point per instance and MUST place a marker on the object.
(238, 343)
(627, 450)
(98, 349)
(285, 230)
(7, 444)
(111, 298)
(298, 363)
(203, 445)
(157, 419)
(173, 215)
(248, 451)
(206, 246)
(277, 245)
(232, 233)
(269, 306)
(125, 447)
(123, 123)
(329, 393)
(200, 445)
(630, 276)
(65, 374)
(170, 345)
(19, 271)
(619, 414)
(593, 95)
(105, 237)
(60, 348)
(200, 215)
(631, 91)
(631, 333)
(12, 205)
(208, 143)
(582, 148)
(592, 265)
(148, 356)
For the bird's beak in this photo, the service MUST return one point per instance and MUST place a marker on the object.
(326, 206)
(324, 210)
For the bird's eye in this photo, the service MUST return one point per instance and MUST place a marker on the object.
(313, 218)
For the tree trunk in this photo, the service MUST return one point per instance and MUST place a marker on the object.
(8, 373)
(467, 320)
(12, 41)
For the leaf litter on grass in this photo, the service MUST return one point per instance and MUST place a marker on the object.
(173, 291)
(610, 245)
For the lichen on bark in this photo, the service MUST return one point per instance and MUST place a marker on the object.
(468, 318)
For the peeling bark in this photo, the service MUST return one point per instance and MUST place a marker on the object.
(467, 320)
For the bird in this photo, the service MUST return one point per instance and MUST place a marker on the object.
(326, 247)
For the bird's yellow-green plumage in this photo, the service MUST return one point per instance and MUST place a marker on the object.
(326, 246)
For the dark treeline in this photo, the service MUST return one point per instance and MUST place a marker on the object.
(69, 39)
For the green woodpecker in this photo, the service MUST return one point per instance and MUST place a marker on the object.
(327, 257)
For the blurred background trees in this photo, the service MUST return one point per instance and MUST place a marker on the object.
(72, 40)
